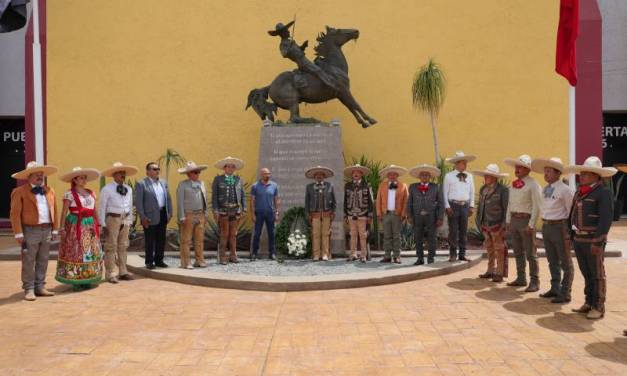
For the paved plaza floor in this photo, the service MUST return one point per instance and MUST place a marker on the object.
(449, 325)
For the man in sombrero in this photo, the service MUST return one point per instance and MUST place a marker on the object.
(35, 223)
(425, 210)
(320, 206)
(523, 211)
(115, 214)
(458, 190)
(228, 202)
(358, 209)
(391, 207)
(590, 220)
(557, 199)
(490, 220)
(290, 50)
(191, 196)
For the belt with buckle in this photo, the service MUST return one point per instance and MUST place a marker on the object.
(40, 225)
(520, 215)
(460, 203)
(423, 212)
(116, 215)
(553, 221)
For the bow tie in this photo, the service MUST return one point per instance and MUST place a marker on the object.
(518, 183)
(121, 189)
(393, 185)
(229, 179)
(462, 176)
(585, 189)
(356, 182)
(548, 191)
(38, 190)
(423, 187)
(196, 185)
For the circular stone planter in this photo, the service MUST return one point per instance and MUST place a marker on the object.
(377, 274)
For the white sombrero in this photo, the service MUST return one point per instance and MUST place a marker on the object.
(238, 163)
(393, 168)
(191, 166)
(356, 167)
(538, 164)
(118, 167)
(460, 156)
(592, 164)
(311, 172)
(32, 168)
(524, 161)
(91, 173)
(492, 170)
(415, 172)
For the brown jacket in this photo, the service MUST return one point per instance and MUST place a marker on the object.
(400, 203)
(24, 208)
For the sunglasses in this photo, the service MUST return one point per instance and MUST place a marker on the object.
(194, 172)
(155, 169)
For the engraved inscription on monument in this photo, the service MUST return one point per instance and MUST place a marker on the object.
(289, 151)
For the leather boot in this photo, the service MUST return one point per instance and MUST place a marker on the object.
(595, 314)
(30, 295)
(43, 292)
(583, 309)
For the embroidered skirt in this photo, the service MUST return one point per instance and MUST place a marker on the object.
(80, 260)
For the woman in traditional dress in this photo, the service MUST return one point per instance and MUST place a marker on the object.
(80, 254)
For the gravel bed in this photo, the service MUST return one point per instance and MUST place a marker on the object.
(288, 268)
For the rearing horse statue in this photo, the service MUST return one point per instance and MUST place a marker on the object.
(328, 79)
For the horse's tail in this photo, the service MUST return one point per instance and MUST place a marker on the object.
(258, 100)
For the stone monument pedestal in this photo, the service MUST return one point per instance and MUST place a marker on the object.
(291, 149)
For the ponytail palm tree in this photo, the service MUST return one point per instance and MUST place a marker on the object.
(428, 91)
(170, 157)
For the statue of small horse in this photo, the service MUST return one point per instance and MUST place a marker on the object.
(293, 87)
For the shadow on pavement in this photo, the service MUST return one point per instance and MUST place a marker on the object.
(532, 306)
(468, 284)
(611, 351)
(500, 294)
(566, 323)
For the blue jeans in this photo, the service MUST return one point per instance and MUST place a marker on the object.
(262, 217)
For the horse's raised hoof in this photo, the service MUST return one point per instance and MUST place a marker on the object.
(365, 125)
(372, 121)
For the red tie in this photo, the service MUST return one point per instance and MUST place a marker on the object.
(423, 187)
(518, 183)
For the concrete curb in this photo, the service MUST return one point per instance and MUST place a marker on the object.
(306, 283)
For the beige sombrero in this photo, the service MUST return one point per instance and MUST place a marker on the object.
(524, 161)
(191, 166)
(32, 168)
(415, 172)
(538, 164)
(393, 168)
(91, 173)
(348, 171)
(622, 167)
(592, 164)
(238, 163)
(492, 170)
(311, 172)
(460, 156)
(119, 166)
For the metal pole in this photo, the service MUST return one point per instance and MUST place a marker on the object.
(572, 157)
(37, 88)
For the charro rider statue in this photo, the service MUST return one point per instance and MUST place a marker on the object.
(291, 50)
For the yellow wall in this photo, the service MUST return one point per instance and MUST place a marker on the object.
(126, 79)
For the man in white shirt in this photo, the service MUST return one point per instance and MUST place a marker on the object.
(523, 210)
(458, 191)
(115, 213)
(557, 199)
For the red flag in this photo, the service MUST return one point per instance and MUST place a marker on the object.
(567, 31)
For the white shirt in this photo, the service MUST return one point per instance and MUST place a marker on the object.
(113, 202)
(525, 200)
(159, 192)
(42, 208)
(392, 199)
(457, 190)
(557, 199)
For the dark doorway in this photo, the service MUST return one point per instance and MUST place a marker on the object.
(12, 138)
(615, 150)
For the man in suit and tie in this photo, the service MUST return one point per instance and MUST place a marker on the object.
(35, 223)
(154, 208)
(425, 210)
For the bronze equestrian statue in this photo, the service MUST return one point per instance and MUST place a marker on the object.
(324, 79)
